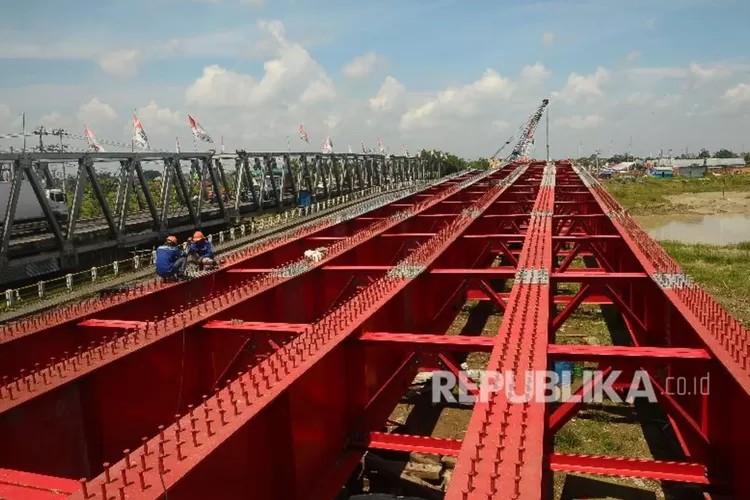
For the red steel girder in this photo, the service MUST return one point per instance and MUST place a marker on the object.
(684, 472)
(18, 485)
(503, 450)
(293, 368)
(628, 467)
(38, 339)
(123, 362)
(504, 453)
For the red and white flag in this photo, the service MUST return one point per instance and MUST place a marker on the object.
(91, 139)
(381, 147)
(198, 131)
(139, 135)
(303, 135)
(328, 145)
(177, 144)
(406, 151)
(364, 148)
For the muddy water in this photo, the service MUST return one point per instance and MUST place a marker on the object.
(724, 229)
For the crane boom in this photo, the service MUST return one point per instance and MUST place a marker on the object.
(526, 136)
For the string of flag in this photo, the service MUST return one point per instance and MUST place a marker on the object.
(140, 139)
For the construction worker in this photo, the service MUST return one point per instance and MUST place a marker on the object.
(201, 252)
(170, 260)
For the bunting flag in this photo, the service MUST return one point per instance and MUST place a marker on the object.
(139, 135)
(177, 144)
(406, 151)
(328, 145)
(198, 131)
(381, 147)
(303, 135)
(91, 139)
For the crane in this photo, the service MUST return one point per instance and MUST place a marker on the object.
(526, 136)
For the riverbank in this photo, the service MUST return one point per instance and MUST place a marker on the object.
(709, 195)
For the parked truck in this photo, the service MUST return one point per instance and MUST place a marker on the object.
(28, 208)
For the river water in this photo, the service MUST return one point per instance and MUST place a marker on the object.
(721, 229)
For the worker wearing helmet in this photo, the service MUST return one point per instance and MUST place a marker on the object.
(170, 260)
(201, 252)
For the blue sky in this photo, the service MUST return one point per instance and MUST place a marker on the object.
(672, 74)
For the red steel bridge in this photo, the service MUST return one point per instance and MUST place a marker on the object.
(272, 377)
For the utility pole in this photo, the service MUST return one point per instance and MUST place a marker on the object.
(596, 162)
(41, 132)
(60, 132)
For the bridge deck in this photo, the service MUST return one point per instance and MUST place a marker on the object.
(273, 376)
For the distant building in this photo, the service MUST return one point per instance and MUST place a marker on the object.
(708, 162)
(623, 166)
(690, 170)
(699, 167)
(661, 172)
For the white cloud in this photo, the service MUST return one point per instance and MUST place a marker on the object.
(500, 125)
(632, 56)
(320, 90)
(638, 98)
(332, 122)
(390, 91)
(548, 39)
(738, 95)
(581, 122)
(535, 73)
(466, 101)
(292, 74)
(95, 111)
(256, 104)
(694, 73)
(363, 66)
(121, 62)
(50, 120)
(158, 122)
(5, 114)
(585, 88)
(668, 100)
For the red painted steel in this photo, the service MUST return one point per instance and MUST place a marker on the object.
(272, 376)
(24, 485)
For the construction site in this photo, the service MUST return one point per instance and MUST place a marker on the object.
(408, 333)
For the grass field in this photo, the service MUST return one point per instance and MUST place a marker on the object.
(652, 195)
(723, 271)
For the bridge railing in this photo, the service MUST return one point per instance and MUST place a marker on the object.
(48, 290)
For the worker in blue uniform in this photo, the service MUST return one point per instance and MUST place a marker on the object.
(201, 252)
(170, 260)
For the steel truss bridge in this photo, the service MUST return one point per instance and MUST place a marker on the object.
(273, 376)
(259, 182)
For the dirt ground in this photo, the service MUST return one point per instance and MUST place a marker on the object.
(712, 203)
